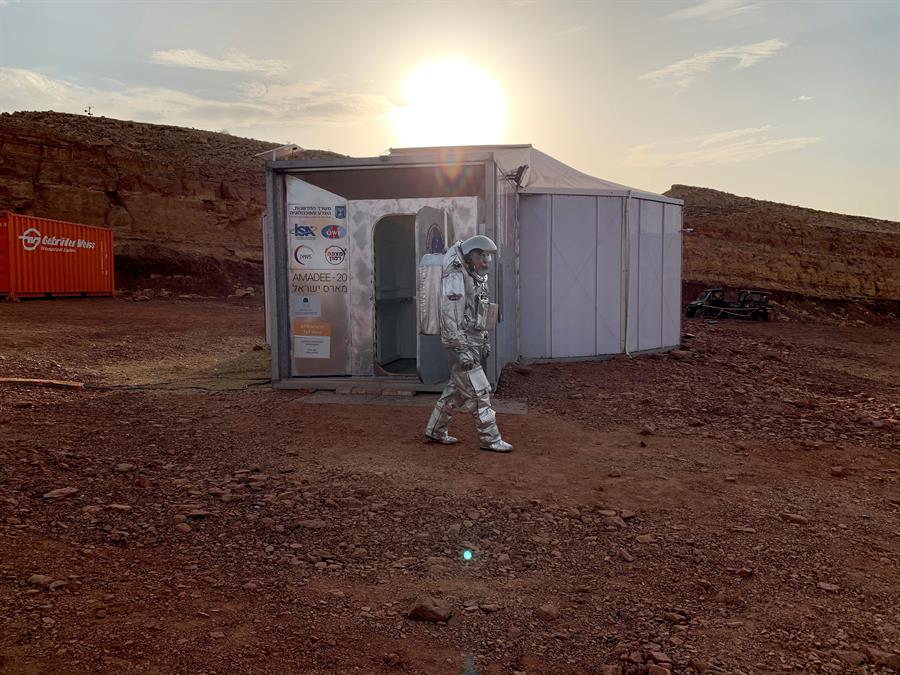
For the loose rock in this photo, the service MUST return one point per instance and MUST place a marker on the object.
(614, 522)
(548, 612)
(427, 608)
(61, 493)
(40, 580)
(851, 658)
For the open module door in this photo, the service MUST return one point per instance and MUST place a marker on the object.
(434, 233)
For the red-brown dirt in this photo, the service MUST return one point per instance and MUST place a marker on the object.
(732, 507)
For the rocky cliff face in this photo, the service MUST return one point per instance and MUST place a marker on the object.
(742, 242)
(184, 205)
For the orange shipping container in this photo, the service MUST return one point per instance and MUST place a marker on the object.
(40, 257)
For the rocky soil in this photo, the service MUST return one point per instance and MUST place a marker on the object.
(731, 507)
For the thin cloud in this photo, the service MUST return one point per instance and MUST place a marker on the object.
(723, 136)
(318, 99)
(724, 147)
(572, 31)
(26, 85)
(803, 98)
(231, 62)
(714, 10)
(682, 74)
(308, 104)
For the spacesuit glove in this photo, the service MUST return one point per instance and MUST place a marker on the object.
(485, 351)
(466, 360)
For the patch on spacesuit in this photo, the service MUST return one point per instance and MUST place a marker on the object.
(453, 286)
(479, 380)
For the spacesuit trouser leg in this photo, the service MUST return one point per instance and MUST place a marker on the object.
(485, 418)
(452, 398)
(460, 394)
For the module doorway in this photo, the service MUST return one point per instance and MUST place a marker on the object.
(395, 296)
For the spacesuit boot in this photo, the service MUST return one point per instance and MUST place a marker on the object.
(437, 429)
(486, 424)
(497, 446)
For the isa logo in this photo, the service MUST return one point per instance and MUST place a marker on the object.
(304, 231)
(334, 232)
(340, 212)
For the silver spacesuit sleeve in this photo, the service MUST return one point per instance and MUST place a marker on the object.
(453, 307)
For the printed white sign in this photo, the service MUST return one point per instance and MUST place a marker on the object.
(312, 347)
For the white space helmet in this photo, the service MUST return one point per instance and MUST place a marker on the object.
(478, 241)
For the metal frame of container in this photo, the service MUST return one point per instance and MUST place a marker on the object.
(277, 253)
(630, 303)
(41, 257)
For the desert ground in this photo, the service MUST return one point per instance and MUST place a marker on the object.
(731, 507)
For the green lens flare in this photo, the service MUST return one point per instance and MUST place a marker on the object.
(467, 555)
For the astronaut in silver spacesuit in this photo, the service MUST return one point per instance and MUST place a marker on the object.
(466, 314)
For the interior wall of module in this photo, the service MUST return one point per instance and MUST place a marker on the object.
(654, 302)
(395, 288)
(570, 275)
(363, 216)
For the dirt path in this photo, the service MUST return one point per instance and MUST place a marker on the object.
(732, 508)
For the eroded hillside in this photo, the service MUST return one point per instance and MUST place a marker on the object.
(184, 204)
(739, 242)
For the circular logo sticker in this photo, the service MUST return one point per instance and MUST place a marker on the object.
(335, 255)
(334, 232)
(31, 239)
(303, 255)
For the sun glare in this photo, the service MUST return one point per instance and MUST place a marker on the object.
(449, 102)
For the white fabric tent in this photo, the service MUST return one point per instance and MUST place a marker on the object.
(599, 262)
(544, 175)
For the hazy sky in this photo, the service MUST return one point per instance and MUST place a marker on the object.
(796, 102)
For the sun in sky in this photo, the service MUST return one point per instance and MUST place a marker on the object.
(449, 102)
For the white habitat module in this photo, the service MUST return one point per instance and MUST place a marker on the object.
(585, 268)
